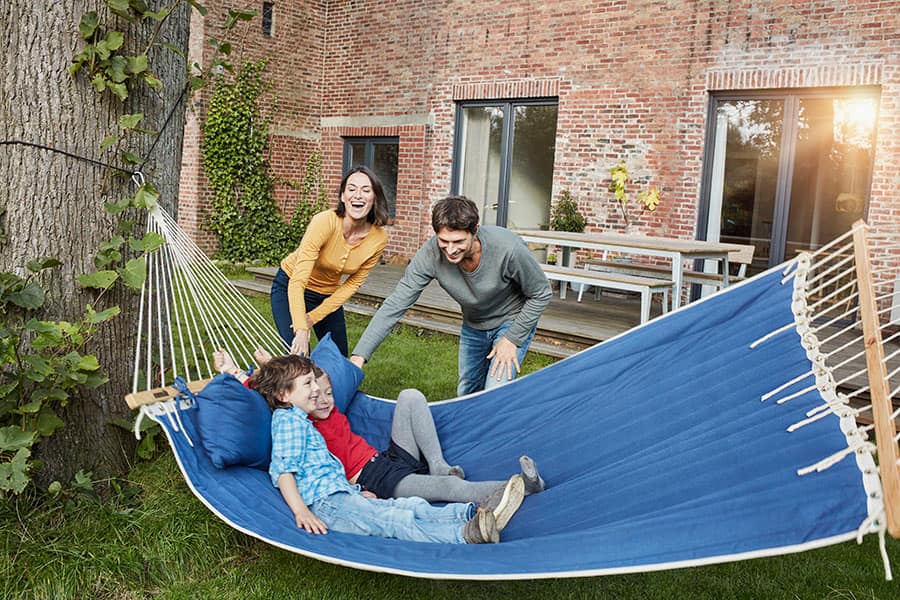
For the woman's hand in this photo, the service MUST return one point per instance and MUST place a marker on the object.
(368, 494)
(300, 345)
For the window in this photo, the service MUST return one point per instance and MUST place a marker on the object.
(787, 171)
(381, 154)
(268, 18)
(503, 160)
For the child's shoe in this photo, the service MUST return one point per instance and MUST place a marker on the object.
(505, 501)
(481, 529)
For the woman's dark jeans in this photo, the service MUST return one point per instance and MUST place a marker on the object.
(281, 311)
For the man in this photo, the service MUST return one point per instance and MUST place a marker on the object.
(500, 287)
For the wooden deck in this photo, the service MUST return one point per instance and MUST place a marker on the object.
(566, 326)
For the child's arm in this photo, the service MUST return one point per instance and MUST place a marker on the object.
(304, 517)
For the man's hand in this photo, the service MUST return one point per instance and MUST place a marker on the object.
(300, 345)
(506, 360)
(307, 520)
(368, 494)
(358, 360)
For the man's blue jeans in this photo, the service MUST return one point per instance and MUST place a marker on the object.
(411, 519)
(281, 312)
(474, 367)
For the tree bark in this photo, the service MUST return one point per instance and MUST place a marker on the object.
(52, 205)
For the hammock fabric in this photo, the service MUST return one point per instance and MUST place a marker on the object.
(656, 447)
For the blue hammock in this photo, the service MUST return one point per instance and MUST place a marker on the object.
(655, 446)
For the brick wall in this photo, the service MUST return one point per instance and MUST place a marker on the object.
(632, 76)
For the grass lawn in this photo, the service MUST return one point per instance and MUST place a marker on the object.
(152, 538)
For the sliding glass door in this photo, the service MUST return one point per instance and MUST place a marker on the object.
(503, 160)
(787, 171)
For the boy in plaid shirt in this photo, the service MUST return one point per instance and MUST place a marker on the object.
(313, 483)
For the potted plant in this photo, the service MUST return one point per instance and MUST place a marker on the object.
(565, 215)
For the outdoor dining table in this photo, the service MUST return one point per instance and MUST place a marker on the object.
(676, 250)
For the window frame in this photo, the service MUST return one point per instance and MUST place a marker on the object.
(787, 157)
(369, 158)
(506, 143)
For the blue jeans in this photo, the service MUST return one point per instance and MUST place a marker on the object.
(281, 312)
(411, 519)
(474, 367)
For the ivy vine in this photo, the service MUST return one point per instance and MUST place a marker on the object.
(245, 217)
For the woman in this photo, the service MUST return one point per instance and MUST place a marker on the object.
(307, 291)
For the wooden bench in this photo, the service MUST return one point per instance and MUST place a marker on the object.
(741, 257)
(647, 286)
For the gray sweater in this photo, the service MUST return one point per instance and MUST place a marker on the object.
(507, 285)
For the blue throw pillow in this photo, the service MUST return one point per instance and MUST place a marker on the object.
(235, 424)
(345, 376)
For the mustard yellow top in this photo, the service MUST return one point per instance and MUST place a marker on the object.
(322, 259)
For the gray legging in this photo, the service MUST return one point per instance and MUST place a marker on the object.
(413, 430)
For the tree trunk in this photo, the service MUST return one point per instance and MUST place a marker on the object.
(52, 205)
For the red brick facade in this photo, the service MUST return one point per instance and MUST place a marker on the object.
(632, 77)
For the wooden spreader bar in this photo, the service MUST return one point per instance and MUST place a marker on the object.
(137, 399)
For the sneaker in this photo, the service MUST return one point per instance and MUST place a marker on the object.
(481, 529)
(505, 501)
(533, 481)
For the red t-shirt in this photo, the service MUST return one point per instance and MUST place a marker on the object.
(351, 449)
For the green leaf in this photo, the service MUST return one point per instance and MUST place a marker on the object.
(94, 380)
(114, 40)
(152, 80)
(112, 243)
(137, 64)
(30, 408)
(103, 315)
(88, 362)
(134, 273)
(198, 7)
(147, 447)
(56, 394)
(148, 243)
(119, 89)
(54, 488)
(13, 438)
(225, 49)
(47, 423)
(115, 208)
(146, 196)
(172, 48)
(99, 82)
(131, 158)
(118, 5)
(31, 296)
(130, 121)
(14, 474)
(101, 49)
(100, 280)
(39, 368)
(239, 15)
(6, 388)
(42, 263)
(159, 15)
(116, 69)
(88, 25)
(105, 258)
(107, 142)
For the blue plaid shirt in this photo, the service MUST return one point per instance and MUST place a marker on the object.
(299, 449)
